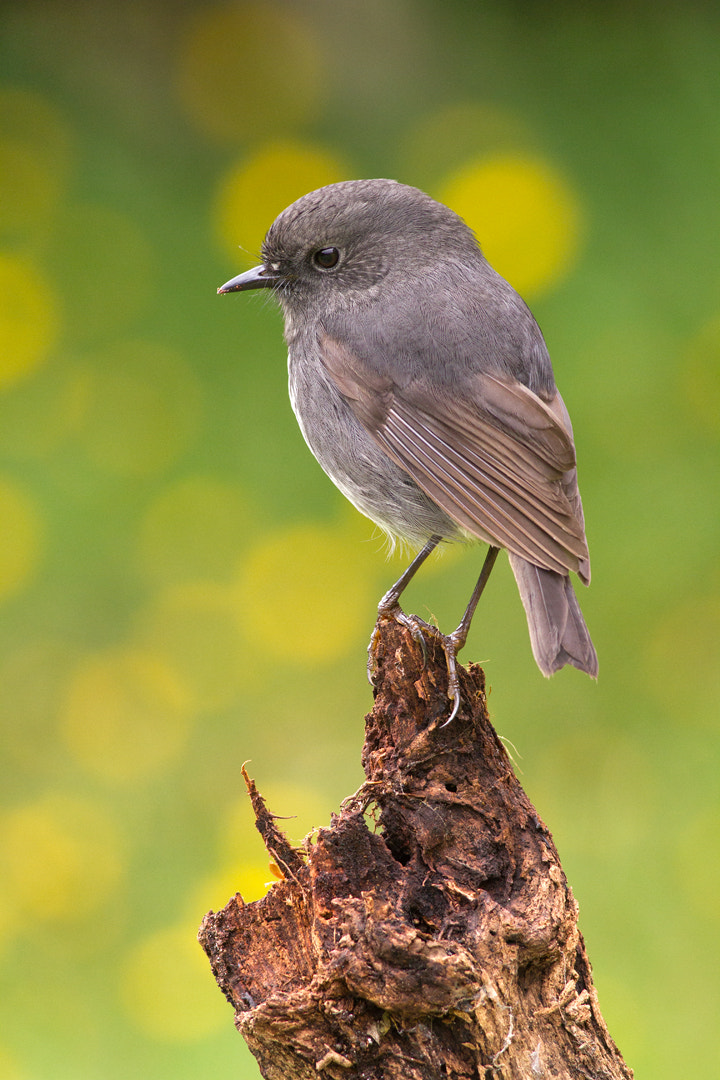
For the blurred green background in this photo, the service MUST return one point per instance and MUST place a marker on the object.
(182, 589)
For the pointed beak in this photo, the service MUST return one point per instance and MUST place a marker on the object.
(260, 277)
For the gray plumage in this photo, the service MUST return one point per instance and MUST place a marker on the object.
(423, 386)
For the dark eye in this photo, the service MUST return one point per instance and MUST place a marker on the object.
(326, 258)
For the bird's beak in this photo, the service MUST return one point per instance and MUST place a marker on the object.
(260, 277)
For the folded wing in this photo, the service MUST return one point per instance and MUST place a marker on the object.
(497, 458)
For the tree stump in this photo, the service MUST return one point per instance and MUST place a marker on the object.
(438, 942)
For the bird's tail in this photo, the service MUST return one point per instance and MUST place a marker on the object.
(558, 633)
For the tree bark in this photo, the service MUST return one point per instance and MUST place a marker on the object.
(441, 940)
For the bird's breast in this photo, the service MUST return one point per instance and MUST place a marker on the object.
(345, 450)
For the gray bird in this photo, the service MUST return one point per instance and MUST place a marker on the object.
(423, 386)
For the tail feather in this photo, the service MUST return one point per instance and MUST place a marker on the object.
(558, 633)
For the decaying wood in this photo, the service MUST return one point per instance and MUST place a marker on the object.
(438, 941)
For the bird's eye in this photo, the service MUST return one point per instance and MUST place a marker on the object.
(326, 258)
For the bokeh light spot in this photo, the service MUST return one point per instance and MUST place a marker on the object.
(195, 529)
(20, 537)
(303, 808)
(35, 152)
(9, 1068)
(246, 865)
(254, 192)
(303, 595)
(60, 857)
(104, 266)
(28, 319)
(167, 988)
(525, 214)
(247, 70)
(125, 715)
(144, 407)
(251, 880)
(193, 627)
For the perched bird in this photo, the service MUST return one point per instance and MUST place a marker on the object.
(423, 386)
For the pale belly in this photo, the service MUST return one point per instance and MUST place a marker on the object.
(373, 483)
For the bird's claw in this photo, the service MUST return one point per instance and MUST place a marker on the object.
(418, 628)
(451, 644)
(371, 655)
(410, 622)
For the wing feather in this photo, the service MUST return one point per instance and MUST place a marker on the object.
(479, 497)
(493, 455)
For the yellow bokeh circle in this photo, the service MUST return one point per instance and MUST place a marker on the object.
(20, 537)
(253, 193)
(168, 990)
(60, 857)
(247, 69)
(9, 1068)
(29, 319)
(10, 922)
(304, 595)
(251, 880)
(525, 214)
(125, 715)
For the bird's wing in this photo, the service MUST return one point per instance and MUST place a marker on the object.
(496, 459)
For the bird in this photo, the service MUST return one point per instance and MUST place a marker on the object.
(423, 386)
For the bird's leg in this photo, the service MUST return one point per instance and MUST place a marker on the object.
(390, 607)
(389, 602)
(453, 643)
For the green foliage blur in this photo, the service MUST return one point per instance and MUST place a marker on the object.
(181, 589)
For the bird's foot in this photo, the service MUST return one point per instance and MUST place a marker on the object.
(420, 630)
(410, 622)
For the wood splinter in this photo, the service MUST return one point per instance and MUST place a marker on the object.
(442, 943)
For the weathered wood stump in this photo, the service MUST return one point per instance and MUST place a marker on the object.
(439, 942)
